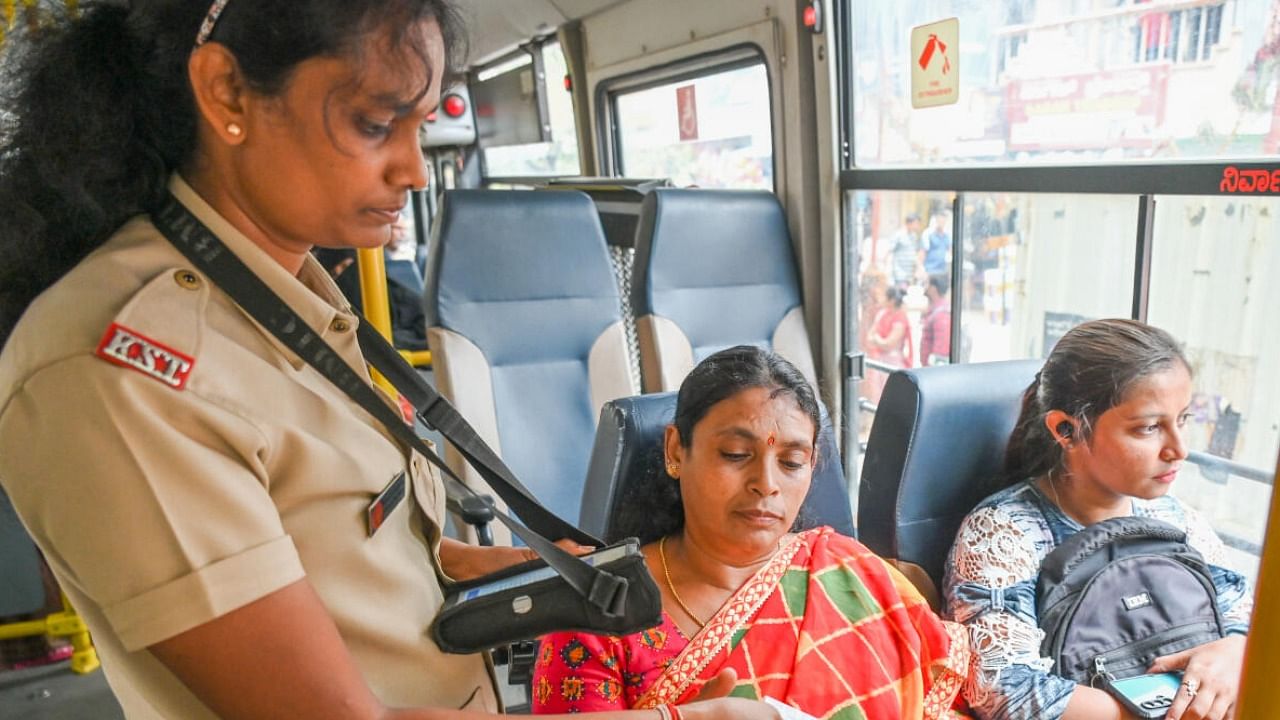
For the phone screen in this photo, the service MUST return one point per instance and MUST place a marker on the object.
(1151, 693)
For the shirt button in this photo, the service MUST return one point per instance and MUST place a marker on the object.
(187, 279)
(340, 325)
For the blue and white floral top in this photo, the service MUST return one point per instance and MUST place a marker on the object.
(990, 587)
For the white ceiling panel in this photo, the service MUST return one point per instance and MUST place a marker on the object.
(498, 26)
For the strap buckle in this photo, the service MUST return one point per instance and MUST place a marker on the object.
(609, 594)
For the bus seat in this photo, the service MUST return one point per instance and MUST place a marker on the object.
(713, 269)
(936, 445)
(406, 273)
(524, 325)
(628, 453)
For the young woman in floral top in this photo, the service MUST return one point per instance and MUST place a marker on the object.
(1099, 436)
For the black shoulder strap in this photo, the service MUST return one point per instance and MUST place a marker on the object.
(604, 590)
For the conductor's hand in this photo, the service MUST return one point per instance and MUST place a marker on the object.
(712, 703)
(461, 561)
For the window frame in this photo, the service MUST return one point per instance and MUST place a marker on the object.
(734, 57)
(534, 49)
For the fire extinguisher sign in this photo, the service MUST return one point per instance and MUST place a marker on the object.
(935, 63)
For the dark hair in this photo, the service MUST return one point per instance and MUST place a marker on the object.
(1089, 371)
(940, 282)
(98, 111)
(654, 507)
(894, 295)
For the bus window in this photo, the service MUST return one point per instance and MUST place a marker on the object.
(1214, 264)
(1038, 264)
(711, 131)
(1071, 81)
(557, 157)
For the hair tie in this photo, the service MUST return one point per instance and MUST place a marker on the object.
(210, 19)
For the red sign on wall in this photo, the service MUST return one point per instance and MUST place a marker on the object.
(687, 112)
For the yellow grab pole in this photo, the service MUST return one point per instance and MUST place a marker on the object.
(1260, 693)
(373, 296)
(84, 657)
(417, 358)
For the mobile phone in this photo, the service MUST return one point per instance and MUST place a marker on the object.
(1147, 696)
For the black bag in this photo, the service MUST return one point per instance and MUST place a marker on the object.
(480, 614)
(1120, 593)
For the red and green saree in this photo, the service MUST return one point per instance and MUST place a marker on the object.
(825, 626)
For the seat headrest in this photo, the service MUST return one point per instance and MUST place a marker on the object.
(702, 253)
(935, 448)
(492, 255)
(628, 456)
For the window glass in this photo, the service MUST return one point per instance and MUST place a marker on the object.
(891, 314)
(712, 131)
(1036, 265)
(560, 155)
(1213, 261)
(1072, 81)
(1033, 266)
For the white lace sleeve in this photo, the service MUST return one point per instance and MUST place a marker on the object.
(992, 555)
(992, 550)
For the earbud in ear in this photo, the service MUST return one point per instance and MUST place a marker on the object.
(1065, 429)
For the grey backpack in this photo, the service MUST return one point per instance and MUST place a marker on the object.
(1120, 593)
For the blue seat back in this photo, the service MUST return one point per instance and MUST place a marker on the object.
(714, 269)
(936, 446)
(406, 273)
(525, 327)
(628, 456)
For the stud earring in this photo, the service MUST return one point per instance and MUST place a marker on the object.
(673, 470)
(234, 129)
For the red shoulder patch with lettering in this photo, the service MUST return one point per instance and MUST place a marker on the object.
(130, 348)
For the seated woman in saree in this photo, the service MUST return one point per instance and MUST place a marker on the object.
(812, 619)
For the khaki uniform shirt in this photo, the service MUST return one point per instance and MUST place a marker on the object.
(175, 462)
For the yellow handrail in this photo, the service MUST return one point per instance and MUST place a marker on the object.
(417, 358)
(373, 297)
(68, 624)
(1260, 693)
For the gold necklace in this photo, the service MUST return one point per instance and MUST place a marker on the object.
(662, 553)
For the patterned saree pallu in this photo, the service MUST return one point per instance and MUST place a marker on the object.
(827, 627)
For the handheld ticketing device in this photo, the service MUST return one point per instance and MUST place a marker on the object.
(532, 599)
(1147, 696)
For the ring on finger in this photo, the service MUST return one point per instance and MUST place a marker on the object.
(1192, 687)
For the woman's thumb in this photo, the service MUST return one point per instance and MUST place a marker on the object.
(719, 686)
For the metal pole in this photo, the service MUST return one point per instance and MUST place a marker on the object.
(1142, 261)
(957, 274)
(373, 296)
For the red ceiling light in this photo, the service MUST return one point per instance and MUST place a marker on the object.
(812, 17)
(454, 106)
